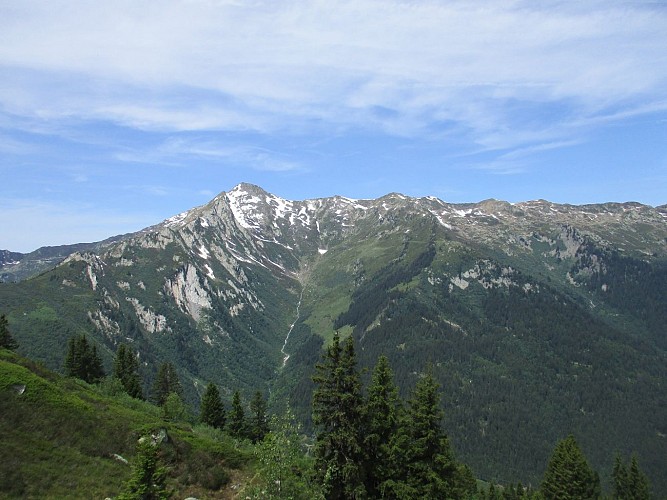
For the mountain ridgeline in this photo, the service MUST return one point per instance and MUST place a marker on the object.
(539, 320)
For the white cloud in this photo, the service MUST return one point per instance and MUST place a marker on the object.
(398, 67)
(175, 150)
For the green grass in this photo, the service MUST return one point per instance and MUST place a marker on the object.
(59, 437)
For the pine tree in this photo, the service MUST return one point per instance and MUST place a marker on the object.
(337, 413)
(126, 369)
(431, 469)
(629, 483)
(83, 361)
(237, 425)
(148, 477)
(620, 479)
(165, 383)
(212, 409)
(6, 339)
(381, 415)
(637, 481)
(568, 474)
(259, 423)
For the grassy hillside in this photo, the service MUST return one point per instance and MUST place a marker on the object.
(61, 438)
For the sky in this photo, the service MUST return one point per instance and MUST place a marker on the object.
(117, 115)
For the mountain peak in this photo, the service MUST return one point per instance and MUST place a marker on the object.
(247, 188)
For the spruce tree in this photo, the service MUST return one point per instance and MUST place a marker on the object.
(165, 383)
(83, 361)
(212, 409)
(619, 479)
(568, 474)
(337, 413)
(259, 423)
(431, 469)
(237, 425)
(148, 476)
(382, 411)
(126, 369)
(629, 482)
(6, 339)
(637, 481)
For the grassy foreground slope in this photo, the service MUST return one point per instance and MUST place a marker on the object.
(62, 438)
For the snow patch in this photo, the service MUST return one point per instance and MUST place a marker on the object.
(176, 219)
(203, 252)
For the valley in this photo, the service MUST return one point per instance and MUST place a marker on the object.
(539, 319)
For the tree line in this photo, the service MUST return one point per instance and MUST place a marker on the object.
(83, 361)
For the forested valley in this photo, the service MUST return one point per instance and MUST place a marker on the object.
(368, 441)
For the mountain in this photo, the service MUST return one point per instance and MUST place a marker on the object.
(538, 319)
(16, 266)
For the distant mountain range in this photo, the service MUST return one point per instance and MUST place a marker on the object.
(538, 319)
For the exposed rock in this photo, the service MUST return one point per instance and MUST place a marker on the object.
(18, 388)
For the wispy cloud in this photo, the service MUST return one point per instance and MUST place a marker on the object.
(395, 67)
(518, 160)
(178, 150)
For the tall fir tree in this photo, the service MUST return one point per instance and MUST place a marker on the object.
(6, 339)
(166, 382)
(619, 479)
(148, 480)
(638, 482)
(337, 413)
(382, 412)
(629, 482)
(83, 361)
(237, 425)
(568, 475)
(431, 469)
(126, 369)
(259, 421)
(212, 408)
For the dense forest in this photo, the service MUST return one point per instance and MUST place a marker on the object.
(368, 441)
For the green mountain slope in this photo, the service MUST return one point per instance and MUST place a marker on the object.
(540, 319)
(62, 438)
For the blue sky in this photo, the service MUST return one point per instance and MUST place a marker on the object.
(117, 115)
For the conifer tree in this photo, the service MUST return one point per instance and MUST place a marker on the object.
(381, 415)
(620, 479)
(431, 469)
(259, 423)
(337, 413)
(148, 476)
(568, 474)
(82, 360)
(6, 339)
(165, 383)
(212, 409)
(126, 369)
(237, 422)
(637, 481)
(629, 483)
